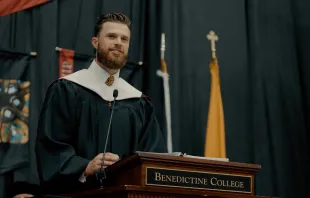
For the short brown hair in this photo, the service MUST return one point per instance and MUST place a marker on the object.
(112, 17)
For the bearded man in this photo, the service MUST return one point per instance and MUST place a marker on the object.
(75, 117)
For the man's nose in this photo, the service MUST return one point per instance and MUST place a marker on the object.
(119, 40)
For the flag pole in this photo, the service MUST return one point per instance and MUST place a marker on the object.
(215, 144)
(163, 73)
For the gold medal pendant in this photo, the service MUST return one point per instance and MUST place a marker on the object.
(109, 81)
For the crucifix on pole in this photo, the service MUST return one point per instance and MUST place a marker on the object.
(213, 38)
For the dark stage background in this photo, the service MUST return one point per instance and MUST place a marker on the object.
(264, 60)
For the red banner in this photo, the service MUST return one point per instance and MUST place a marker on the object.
(11, 6)
(66, 62)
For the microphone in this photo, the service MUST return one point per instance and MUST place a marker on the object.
(101, 173)
(115, 94)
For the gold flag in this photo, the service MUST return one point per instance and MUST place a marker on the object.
(215, 135)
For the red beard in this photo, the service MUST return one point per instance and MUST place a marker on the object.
(110, 60)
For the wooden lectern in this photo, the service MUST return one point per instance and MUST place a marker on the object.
(154, 175)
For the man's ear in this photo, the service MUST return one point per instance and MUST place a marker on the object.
(94, 42)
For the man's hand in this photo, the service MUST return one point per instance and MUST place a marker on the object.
(101, 161)
(22, 196)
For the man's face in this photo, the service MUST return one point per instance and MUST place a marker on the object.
(112, 45)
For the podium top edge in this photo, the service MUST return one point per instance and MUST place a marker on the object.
(144, 155)
(164, 159)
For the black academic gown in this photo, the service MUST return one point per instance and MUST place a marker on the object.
(72, 130)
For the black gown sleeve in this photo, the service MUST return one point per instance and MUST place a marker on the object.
(151, 138)
(59, 167)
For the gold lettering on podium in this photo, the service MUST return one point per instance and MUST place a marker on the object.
(199, 180)
(226, 183)
(180, 179)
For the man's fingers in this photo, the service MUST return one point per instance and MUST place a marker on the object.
(104, 163)
(23, 195)
(98, 157)
(106, 157)
(99, 167)
(111, 157)
(108, 163)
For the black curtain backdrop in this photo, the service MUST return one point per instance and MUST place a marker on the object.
(279, 89)
(263, 55)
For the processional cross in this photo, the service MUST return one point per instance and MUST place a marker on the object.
(213, 38)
